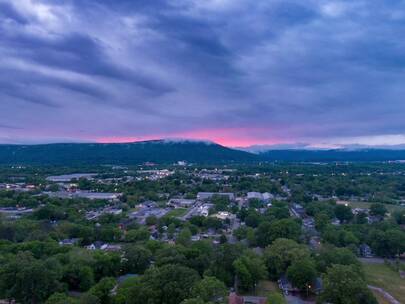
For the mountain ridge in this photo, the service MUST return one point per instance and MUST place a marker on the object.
(158, 151)
(171, 151)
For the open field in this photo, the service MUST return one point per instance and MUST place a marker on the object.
(176, 212)
(356, 204)
(265, 287)
(380, 275)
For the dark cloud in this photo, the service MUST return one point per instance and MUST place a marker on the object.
(284, 70)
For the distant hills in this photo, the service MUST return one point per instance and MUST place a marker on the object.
(365, 155)
(166, 152)
(156, 151)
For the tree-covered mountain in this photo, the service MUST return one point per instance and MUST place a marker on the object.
(165, 152)
(365, 155)
(157, 151)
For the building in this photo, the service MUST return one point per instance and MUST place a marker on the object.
(68, 177)
(208, 195)
(285, 285)
(233, 298)
(365, 251)
(297, 210)
(223, 215)
(265, 197)
(69, 242)
(85, 194)
(181, 203)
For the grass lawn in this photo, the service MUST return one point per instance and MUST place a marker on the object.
(265, 287)
(176, 212)
(380, 298)
(380, 275)
(355, 204)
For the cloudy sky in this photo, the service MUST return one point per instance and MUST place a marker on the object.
(238, 72)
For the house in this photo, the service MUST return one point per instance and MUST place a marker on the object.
(254, 300)
(235, 299)
(96, 245)
(223, 215)
(285, 285)
(317, 286)
(308, 223)
(365, 251)
(104, 246)
(69, 242)
(297, 210)
(315, 243)
(266, 196)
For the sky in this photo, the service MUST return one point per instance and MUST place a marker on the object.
(237, 72)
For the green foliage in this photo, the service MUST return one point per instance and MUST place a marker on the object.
(102, 290)
(137, 235)
(28, 280)
(184, 237)
(344, 285)
(169, 284)
(378, 210)
(343, 213)
(330, 255)
(276, 298)
(249, 269)
(136, 259)
(210, 289)
(285, 228)
(281, 254)
(322, 220)
(389, 243)
(60, 298)
(302, 273)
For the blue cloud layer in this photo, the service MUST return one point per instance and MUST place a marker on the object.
(278, 70)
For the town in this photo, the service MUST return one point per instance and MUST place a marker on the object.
(274, 233)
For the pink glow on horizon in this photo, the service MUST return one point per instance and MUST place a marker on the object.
(226, 137)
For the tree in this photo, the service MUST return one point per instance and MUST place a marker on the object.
(102, 290)
(137, 259)
(138, 235)
(249, 269)
(194, 301)
(388, 243)
(343, 213)
(322, 219)
(330, 255)
(106, 264)
(344, 285)
(28, 280)
(281, 254)
(60, 298)
(78, 276)
(378, 209)
(88, 298)
(169, 284)
(276, 298)
(268, 232)
(399, 216)
(170, 255)
(151, 220)
(302, 273)
(209, 289)
(184, 237)
(222, 262)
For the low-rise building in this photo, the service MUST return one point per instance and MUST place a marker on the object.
(208, 195)
(181, 203)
